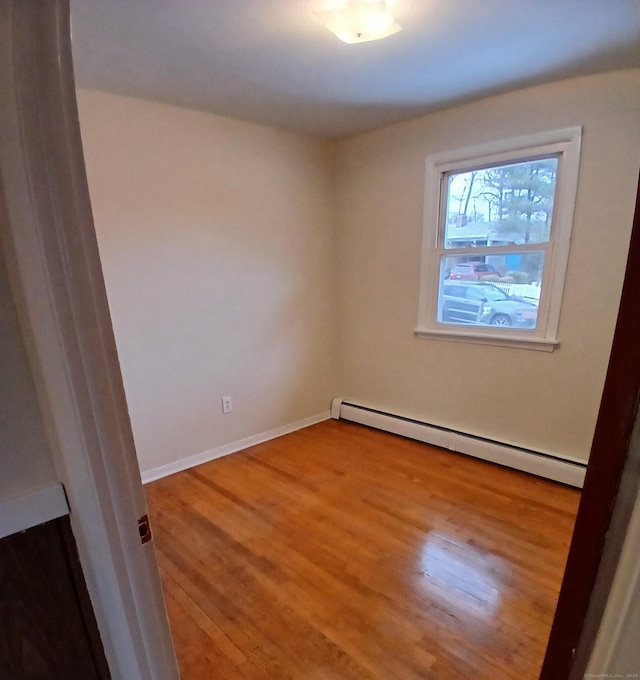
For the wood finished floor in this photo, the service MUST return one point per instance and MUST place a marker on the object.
(343, 553)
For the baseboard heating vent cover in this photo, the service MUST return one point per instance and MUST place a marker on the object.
(566, 470)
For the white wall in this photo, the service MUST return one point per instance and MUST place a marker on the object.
(217, 245)
(25, 460)
(544, 401)
(226, 245)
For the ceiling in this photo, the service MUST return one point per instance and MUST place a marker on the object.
(272, 62)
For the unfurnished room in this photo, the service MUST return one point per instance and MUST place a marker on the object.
(319, 339)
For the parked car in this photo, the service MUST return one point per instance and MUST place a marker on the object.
(485, 304)
(472, 271)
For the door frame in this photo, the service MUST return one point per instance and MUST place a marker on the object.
(609, 493)
(48, 241)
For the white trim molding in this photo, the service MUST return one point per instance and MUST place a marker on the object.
(233, 447)
(619, 627)
(616, 652)
(48, 241)
(462, 335)
(563, 469)
(31, 509)
(563, 144)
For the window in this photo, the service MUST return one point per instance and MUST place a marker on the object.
(496, 239)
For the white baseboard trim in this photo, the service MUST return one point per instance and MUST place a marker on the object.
(558, 468)
(199, 458)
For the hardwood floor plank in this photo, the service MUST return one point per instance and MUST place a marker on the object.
(341, 552)
(216, 635)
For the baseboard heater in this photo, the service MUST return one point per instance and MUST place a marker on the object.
(565, 470)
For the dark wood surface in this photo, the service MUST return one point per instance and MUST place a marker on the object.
(47, 629)
(608, 457)
(341, 552)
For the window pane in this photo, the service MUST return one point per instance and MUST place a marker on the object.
(496, 206)
(491, 290)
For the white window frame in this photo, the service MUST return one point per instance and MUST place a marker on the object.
(565, 144)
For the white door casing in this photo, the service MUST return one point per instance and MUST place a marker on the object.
(49, 245)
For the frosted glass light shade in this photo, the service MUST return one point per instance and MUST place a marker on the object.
(356, 21)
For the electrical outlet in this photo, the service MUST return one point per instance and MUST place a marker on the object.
(227, 405)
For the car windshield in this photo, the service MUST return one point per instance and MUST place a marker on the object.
(494, 294)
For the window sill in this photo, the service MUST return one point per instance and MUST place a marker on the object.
(500, 340)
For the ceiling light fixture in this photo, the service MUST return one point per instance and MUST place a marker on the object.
(356, 21)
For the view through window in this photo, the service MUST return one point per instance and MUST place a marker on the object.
(488, 209)
(497, 230)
